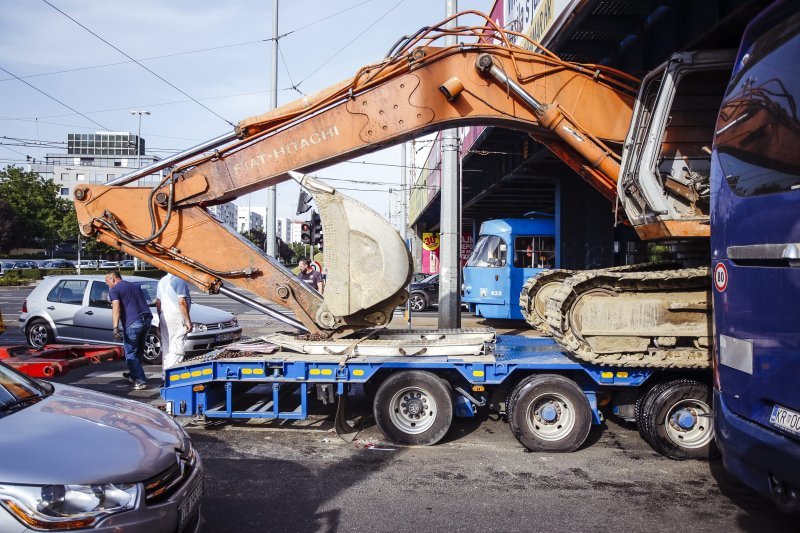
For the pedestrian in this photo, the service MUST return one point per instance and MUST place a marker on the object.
(310, 276)
(173, 303)
(129, 306)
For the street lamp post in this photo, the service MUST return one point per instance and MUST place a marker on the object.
(139, 136)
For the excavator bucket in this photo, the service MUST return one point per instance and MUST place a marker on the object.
(366, 260)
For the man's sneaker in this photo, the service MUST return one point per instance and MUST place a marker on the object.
(127, 377)
(140, 386)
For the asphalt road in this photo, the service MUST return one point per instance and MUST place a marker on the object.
(298, 476)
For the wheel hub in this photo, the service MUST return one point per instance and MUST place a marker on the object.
(415, 407)
(688, 424)
(413, 410)
(685, 419)
(551, 417)
(548, 413)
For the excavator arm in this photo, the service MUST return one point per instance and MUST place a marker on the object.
(575, 110)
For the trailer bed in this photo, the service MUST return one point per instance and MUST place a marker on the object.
(213, 385)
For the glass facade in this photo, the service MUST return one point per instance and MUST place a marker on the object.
(110, 144)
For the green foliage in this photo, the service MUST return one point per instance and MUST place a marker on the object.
(32, 211)
(658, 252)
(91, 249)
(12, 281)
(301, 250)
(256, 236)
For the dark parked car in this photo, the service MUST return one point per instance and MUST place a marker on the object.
(58, 263)
(419, 276)
(425, 293)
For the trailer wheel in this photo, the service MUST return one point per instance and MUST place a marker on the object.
(675, 419)
(413, 407)
(549, 414)
(39, 333)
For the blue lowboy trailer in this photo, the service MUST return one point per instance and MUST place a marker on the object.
(550, 400)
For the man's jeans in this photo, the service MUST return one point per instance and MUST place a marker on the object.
(133, 339)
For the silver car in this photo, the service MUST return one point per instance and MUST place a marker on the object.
(119, 465)
(73, 308)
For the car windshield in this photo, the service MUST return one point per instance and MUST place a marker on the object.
(16, 390)
(149, 290)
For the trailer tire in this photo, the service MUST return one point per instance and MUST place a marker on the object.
(414, 408)
(675, 419)
(549, 413)
(38, 333)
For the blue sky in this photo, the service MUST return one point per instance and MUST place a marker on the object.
(214, 51)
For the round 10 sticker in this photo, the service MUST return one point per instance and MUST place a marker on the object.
(721, 277)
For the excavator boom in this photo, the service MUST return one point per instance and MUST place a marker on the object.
(581, 112)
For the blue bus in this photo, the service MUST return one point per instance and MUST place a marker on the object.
(507, 253)
(755, 245)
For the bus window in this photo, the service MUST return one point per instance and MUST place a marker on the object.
(534, 252)
(490, 251)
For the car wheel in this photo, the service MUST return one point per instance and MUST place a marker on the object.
(418, 301)
(152, 347)
(39, 333)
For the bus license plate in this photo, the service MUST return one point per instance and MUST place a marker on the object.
(785, 419)
(189, 504)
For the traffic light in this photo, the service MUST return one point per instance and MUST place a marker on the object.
(305, 233)
(316, 228)
(303, 202)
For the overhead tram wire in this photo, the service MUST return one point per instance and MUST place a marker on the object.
(55, 99)
(349, 42)
(174, 102)
(143, 66)
(196, 51)
(118, 63)
(289, 74)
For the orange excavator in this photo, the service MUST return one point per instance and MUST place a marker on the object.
(583, 113)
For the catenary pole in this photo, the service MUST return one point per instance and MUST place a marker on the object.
(449, 228)
(272, 193)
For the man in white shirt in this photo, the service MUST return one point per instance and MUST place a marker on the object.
(173, 303)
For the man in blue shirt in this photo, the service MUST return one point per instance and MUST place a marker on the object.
(173, 302)
(128, 305)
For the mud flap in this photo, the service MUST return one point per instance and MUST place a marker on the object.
(345, 431)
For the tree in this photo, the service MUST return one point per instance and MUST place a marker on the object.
(301, 250)
(34, 212)
(6, 225)
(91, 248)
(256, 236)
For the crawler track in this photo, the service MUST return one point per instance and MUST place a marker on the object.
(537, 289)
(658, 319)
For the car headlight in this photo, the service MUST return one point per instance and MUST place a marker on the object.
(235, 321)
(60, 507)
(198, 327)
